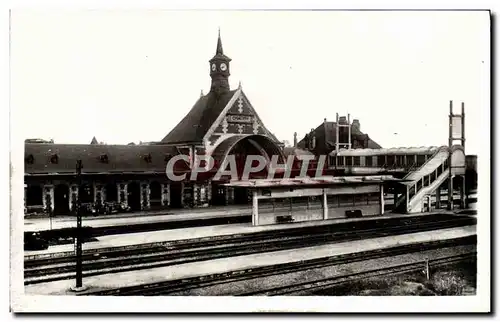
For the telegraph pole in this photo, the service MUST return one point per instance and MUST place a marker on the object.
(79, 235)
(450, 144)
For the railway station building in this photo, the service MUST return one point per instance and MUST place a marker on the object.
(220, 123)
(224, 123)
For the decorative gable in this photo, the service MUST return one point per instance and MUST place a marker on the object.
(240, 118)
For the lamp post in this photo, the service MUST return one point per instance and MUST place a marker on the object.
(78, 238)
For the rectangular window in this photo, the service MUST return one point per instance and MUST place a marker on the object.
(348, 161)
(411, 160)
(380, 160)
(340, 161)
(390, 159)
(359, 199)
(368, 161)
(400, 160)
(332, 201)
(346, 200)
(314, 202)
(356, 161)
(420, 159)
(373, 198)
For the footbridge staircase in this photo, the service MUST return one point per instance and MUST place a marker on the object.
(424, 181)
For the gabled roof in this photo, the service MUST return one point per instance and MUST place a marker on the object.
(193, 127)
(327, 130)
(98, 158)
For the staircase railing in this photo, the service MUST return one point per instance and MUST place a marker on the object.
(440, 149)
(428, 180)
(415, 188)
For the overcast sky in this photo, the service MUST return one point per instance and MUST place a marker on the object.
(132, 75)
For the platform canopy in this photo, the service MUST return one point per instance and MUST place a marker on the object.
(308, 181)
(387, 151)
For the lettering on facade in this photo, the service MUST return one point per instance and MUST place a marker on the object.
(239, 119)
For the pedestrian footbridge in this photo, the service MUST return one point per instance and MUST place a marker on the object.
(424, 170)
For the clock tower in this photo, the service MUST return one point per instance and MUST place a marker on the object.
(219, 70)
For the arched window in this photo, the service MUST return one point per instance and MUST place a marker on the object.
(87, 193)
(111, 192)
(155, 188)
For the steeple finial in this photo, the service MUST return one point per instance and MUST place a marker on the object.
(219, 46)
(239, 85)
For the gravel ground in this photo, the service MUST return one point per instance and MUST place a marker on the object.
(318, 273)
(456, 279)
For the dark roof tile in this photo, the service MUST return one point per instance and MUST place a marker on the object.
(96, 158)
(193, 127)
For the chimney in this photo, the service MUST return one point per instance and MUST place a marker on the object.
(355, 124)
(313, 139)
(295, 139)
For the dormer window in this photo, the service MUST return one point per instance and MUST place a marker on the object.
(167, 157)
(147, 158)
(30, 159)
(54, 159)
(104, 158)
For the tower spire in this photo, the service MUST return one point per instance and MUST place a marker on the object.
(219, 69)
(219, 50)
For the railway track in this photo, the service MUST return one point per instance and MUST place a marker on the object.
(91, 254)
(181, 285)
(189, 251)
(306, 288)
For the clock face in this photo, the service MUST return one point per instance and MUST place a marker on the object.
(213, 67)
(223, 67)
